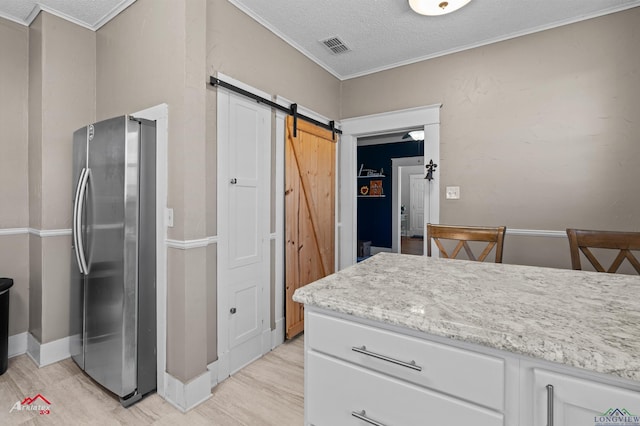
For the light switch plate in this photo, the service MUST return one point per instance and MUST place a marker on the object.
(169, 218)
(453, 193)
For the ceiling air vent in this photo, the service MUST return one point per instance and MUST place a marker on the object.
(335, 45)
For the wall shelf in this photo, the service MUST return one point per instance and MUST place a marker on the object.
(371, 196)
(371, 176)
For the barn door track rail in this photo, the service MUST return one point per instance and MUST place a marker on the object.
(292, 110)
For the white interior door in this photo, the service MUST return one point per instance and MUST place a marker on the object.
(244, 131)
(416, 202)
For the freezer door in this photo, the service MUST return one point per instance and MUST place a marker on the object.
(112, 239)
(79, 163)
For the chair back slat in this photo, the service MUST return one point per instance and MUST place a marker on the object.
(581, 240)
(493, 236)
(486, 251)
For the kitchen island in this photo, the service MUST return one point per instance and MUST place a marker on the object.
(469, 343)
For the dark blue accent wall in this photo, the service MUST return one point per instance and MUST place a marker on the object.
(374, 214)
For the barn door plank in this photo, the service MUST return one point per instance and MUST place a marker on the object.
(309, 213)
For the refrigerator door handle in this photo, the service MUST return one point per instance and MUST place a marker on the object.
(75, 228)
(78, 211)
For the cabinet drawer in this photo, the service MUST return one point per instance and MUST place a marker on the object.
(336, 389)
(578, 401)
(468, 375)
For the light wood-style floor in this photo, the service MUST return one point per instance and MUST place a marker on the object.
(409, 245)
(267, 392)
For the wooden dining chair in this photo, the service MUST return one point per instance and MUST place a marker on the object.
(581, 240)
(493, 236)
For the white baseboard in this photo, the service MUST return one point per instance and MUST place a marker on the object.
(266, 341)
(47, 353)
(185, 396)
(17, 344)
(223, 366)
(277, 335)
(33, 349)
(213, 372)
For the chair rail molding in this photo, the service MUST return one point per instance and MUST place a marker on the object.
(37, 232)
(536, 233)
(191, 244)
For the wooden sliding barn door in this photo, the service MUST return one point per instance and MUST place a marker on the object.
(310, 182)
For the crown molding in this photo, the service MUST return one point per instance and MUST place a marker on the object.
(93, 27)
(42, 8)
(115, 12)
(341, 77)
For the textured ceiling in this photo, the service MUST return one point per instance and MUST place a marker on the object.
(381, 34)
(384, 34)
(90, 14)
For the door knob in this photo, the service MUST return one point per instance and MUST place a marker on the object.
(232, 310)
(234, 181)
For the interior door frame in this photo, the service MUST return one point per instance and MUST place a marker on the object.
(427, 117)
(160, 114)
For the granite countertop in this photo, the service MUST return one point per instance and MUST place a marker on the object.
(583, 319)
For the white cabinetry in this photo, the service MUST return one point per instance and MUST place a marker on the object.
(564, 400)
(360, 372)
(340, 393)
(355, 371)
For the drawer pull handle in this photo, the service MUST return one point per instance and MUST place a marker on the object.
(363, 350)
(549, 405)
(362, 415)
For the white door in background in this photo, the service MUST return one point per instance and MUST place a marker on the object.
(244, 138)
(416, 202)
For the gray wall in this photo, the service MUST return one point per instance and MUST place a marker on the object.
(47, 91)
(152, 53)
(240, 47)
(540, 132)
(61, 99)
(14, 205)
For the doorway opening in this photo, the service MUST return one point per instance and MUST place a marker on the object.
(388, 167)
(426, 118)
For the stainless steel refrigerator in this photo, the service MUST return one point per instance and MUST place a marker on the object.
(113, 265)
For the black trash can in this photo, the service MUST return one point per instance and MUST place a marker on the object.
(5, 285)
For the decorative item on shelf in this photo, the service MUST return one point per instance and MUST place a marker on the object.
(369, 173)
(375, 188)
(364, 190)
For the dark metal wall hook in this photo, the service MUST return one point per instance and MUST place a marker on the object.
(431, 167)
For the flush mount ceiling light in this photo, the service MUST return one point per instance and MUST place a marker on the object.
(436, 7)
(416, 135)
